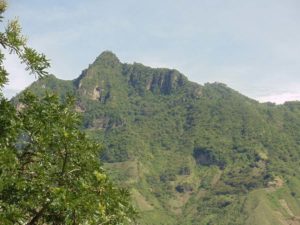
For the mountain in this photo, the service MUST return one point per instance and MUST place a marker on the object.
(189, 153)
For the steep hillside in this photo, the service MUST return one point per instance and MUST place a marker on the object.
(190, 154)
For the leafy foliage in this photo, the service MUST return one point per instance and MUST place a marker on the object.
(54, 175)
(50, 171)
(12, 40)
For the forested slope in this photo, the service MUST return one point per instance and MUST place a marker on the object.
(190, 153)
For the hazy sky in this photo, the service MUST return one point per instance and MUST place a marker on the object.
(252, 46)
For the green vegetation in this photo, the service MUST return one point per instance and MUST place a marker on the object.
(190, 154)
(50, 172)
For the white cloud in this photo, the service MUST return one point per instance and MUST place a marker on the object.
(280, 98)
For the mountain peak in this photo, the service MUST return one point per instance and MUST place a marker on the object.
(209, 148)
(107, 58)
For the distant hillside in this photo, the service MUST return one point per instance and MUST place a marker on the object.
(190, 154)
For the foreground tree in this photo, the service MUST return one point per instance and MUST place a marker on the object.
(49, 170)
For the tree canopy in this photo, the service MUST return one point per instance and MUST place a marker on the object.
(50, 171)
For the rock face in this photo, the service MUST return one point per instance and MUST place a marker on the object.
(107, 71)
(163, 83)
(190, 153)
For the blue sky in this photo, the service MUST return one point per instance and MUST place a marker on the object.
(252, 46)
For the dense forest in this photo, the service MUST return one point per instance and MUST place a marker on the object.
(130, 144)
(188, 153)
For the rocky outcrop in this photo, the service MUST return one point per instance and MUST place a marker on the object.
(158, 81)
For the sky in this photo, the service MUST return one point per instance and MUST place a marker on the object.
(252, 46)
